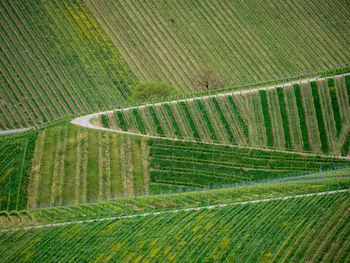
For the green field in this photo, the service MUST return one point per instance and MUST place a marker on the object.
(174, 131)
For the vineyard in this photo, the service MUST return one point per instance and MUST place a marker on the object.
(247, 41)
(304, 116)
(56, 61)
(174, 131)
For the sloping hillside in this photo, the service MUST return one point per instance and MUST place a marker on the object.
(56, 61)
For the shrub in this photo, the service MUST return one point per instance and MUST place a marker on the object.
(151, 90)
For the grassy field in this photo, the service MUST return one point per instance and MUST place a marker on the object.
(310, 116)
(246, 41)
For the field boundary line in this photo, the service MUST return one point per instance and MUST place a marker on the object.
(178, 210)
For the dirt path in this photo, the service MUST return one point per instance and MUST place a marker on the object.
(15, 131)
(85, 121)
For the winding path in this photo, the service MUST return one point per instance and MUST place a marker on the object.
(15, 130)
(85, 121)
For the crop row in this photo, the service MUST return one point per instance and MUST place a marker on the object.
(319, 117)
(73, 165)
(165, 41)
(281, 230)
(49, 68)
(184, 198)
(200, 165)
(15, 156)
(302, 120)
(267, 118)
(298, 117)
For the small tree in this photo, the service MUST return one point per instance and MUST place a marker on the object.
(208, 78)
(149, 90)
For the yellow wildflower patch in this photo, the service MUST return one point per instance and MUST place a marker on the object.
(224, 242)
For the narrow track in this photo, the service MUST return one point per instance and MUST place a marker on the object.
(178, 210)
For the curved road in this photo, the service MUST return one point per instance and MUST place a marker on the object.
(85, 121)
(15, 130)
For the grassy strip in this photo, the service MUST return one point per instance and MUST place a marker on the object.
(173, 120)
(190, 121)
(335, 105)
(223, 120)
(121, 120)
(206, 119)
(321, 128)
(243, 125)
(302, 120)
(104, 121)
(267, 120)
(284, 117)
(156, 121)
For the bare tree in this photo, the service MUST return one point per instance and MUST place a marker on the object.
(208, 78)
